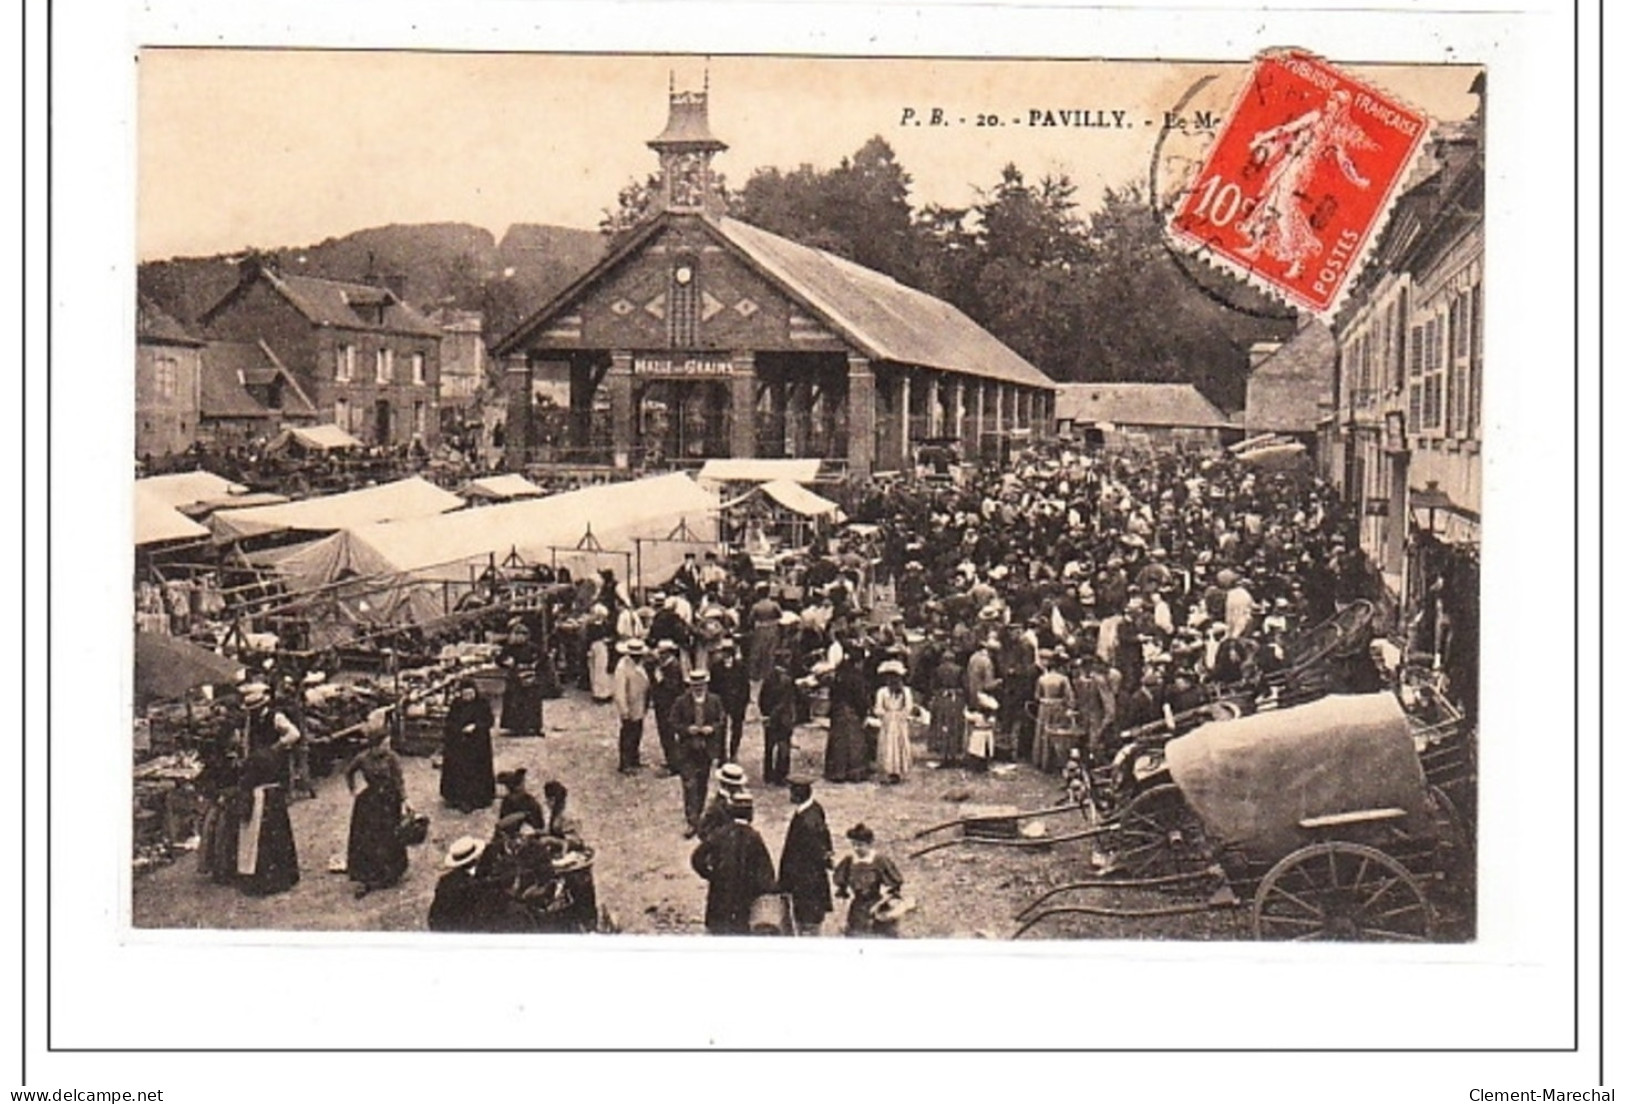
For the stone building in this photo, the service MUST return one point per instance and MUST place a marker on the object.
(367, 361)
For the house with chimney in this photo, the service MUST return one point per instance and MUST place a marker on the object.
(366, 360)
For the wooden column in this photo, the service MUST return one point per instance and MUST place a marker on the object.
(956, 413)
(619, 382)
(933, 406)
(860, 426)
(516, 428)
(742, 400)
(905, 420)
(981, 417)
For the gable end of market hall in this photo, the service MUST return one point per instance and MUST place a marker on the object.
(703, 336)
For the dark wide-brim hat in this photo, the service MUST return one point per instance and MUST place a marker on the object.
(860, 833)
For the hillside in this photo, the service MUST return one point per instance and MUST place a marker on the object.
(434, 264)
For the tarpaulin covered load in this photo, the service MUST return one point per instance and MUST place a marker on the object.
(1252, 780)
(157, 521)
(403, 499)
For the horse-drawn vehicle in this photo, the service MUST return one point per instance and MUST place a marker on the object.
(1322, 818)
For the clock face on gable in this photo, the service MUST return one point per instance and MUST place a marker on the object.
(684, 274)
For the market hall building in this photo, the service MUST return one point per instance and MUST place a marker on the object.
(702, 336)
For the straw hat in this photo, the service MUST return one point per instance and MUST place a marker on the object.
(893, 667)
(633, 646)
(464, 851)
(731, 774)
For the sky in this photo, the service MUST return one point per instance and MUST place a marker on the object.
(277, 148)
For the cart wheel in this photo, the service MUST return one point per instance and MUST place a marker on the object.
(1344, 892)
(1158, 834)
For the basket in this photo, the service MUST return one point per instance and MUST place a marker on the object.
(772, 914)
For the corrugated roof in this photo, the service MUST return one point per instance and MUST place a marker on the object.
(885, 319)
(1138, 404)
(154, 324)
(332, 302)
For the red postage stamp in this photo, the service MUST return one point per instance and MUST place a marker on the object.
(1298, 182)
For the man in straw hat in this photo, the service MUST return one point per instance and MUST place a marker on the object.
(462, 900)
(630, 684)
(736, 863)
(696, 718)
(731, 782)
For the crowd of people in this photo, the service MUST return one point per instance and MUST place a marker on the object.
(1035, 614)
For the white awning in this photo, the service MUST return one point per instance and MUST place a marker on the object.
(747, 470)
(322, 437)
(793, 496)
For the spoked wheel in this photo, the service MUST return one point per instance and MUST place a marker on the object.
(1157, 834)
(1344, 892)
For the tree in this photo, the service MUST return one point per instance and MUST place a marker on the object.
(858, 210)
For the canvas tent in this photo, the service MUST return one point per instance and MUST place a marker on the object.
(183, 489)
(749, 470)
(157, 521)
(412, 567)
(398, 501)
(317, 438)
(502, 488)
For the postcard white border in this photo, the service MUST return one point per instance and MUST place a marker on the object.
(115, 988)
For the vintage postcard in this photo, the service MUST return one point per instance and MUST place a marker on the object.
(902, 498)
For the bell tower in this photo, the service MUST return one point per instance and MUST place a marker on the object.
(686, 147)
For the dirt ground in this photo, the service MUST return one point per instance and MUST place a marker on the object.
(635, 825)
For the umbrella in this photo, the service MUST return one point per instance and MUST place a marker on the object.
(167, 667)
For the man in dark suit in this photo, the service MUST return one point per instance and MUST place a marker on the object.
(777, 703)
(696, 718)
(805, 861)
(735, 862)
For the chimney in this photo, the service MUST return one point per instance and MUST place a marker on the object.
(395, 282)
(253, 263)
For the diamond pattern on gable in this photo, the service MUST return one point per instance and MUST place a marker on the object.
(622, 307)
(710, 306)
(745, 308)
(657, 306)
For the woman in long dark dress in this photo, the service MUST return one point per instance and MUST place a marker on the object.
(948, 710)
(376, 856)
(522, 691)
(267, 861)
(467, 776)
(849, 699)
(870, 879)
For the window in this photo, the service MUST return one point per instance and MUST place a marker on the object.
(1475, 359)
(341, 414)
(166, 375)
(1452, 389)
(420, 416)
(344, 366)
(419, 377)
(1433, 374)
(384, 363)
